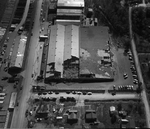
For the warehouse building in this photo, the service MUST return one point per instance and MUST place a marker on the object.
(63, 45)
(17, 56)
(78, 54)
(69, 11)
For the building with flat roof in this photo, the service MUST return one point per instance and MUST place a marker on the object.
(94, 52)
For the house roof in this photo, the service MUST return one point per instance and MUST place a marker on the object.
(91, 115)
(72, 115)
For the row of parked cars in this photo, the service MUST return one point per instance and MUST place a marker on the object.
(125, 87)
(133, 69)
(2, 53)
(67, 92)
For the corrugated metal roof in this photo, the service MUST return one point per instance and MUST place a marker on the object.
(75, 41)
(59, 49)
(64, 43)
(67, 46)
(52, 46)
(40, 52)
(71, 3)
(67, 22)
(20, 54)
(69, 11)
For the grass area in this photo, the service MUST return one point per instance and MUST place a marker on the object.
(142, 45)
(3, 4)
(134, 109)
(144, 61)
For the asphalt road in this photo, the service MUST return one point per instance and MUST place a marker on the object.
(143, 94)
(19, 117)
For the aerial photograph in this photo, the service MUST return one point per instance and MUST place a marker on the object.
(74, 64)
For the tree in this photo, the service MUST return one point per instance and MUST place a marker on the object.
(119, 106)
(130, 107)
(139, 88)
(113, 15)
(113, 119)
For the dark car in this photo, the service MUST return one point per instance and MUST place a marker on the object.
(68, 92)
(5, 78)
(84, 93)
(56, 92)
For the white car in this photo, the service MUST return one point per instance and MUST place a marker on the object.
(79, 93)
(134, 76)
(89, 93)
(125, 75)
(135, 81)
(130, 58)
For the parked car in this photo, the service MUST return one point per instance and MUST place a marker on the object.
(56, 92)
(89, 93)
(84, 93)
(125, 75)
(5, 78)
(135, 76)
(68, 92)
(79, 93)
(50, 92)
(130, 58)
(73, 92)
(135, 81)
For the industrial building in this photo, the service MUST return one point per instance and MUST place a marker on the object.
(63, 45)
(17, 55)
(69, 12)
(78, 53)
